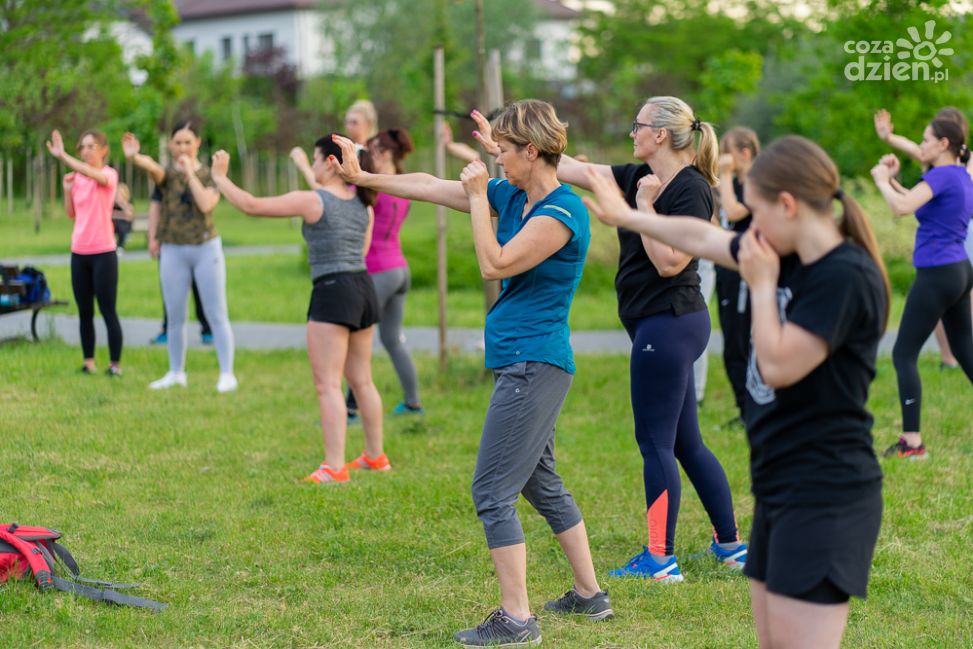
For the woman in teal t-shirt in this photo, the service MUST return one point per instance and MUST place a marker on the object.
(538, 252)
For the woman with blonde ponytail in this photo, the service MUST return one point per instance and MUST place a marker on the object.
(819, 299)
(662, 308)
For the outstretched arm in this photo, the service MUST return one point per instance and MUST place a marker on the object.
(460, 150)
(131, 146)
(540, 238)
(416, 186)
(689, 234)
(301, 203)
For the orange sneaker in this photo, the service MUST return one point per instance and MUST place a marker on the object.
(326, 475)
(380, 463)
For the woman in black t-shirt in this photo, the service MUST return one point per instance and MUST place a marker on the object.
(662, 308)
(818, 311)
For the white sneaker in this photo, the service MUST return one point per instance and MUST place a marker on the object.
(169, 380)
(227, 383)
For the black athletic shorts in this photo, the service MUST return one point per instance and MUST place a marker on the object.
(346, 299)
(815, 553)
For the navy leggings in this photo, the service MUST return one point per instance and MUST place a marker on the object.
(96, 277)
(664, 347)
(938, 292)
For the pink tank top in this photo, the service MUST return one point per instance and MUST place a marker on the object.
(385, 252)
(93, 230)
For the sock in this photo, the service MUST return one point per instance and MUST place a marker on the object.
(517, 620)
(662, 558)
(729, 546)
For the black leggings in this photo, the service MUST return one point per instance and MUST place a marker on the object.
(938, 292)
(96, 276)
(734, 311)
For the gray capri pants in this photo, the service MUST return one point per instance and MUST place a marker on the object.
(517, 453)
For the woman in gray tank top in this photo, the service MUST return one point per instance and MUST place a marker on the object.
(337, 227)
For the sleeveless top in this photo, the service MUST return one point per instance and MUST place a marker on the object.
(335, 244)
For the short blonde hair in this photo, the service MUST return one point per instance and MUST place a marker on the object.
(366, 109)
(532, 121)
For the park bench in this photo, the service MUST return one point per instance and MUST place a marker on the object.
(11, 292)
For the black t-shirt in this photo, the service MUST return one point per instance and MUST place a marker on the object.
(641, 290)
(744, 223)
(812, 442)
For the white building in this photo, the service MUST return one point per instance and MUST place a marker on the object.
(231, 28)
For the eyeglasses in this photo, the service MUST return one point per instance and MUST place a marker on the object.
(636, 125)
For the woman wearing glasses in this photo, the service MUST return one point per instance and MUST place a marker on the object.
(662, 308)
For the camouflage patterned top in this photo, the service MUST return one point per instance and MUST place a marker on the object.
(180, 219)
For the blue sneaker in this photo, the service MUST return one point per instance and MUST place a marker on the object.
(405, 409)
(644, 566)
(160, 339)
(353, 418)
(207, 339)
(733, 559)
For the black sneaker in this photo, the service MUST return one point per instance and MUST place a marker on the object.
(901, 449)
(596, 607)
(500, 630)
(114, 372)
(87, 370)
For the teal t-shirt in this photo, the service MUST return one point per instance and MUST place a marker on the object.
(529, 321)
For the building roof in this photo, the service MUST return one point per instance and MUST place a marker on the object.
(199, 9)
(552, 9)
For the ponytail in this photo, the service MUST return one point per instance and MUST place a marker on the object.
(855, 226)
(707, 153)
(330, 148)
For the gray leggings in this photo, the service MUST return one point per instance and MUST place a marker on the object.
(517, 453)
(390, 289)
(178, 266)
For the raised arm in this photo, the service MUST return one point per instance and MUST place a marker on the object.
(205, 198)
(691, 235)
(540, 238)
(785, 352)
(884, 127)
(902, 203)
(56, 148)
(416, 186)
(459, 150)
(299, 157)
(734, 209)
(131, 146)
(305, 204)
(67, 184)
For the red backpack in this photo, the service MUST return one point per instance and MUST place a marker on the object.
(26, 549)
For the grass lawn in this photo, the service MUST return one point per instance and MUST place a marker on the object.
(195, 497)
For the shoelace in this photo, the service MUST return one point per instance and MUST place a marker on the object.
(492, 627)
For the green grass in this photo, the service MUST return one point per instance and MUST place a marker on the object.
(195, 497)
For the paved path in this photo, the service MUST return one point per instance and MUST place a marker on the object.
(257, 335)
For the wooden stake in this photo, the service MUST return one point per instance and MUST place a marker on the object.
(439, 101)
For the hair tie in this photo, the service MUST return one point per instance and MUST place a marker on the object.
(839, 194)
(696, 125)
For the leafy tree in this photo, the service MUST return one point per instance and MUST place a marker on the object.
(388, 45)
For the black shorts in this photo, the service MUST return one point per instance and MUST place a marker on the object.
(815, 553)
(346, 299)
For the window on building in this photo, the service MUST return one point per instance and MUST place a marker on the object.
(227, 48)
(265, 41)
